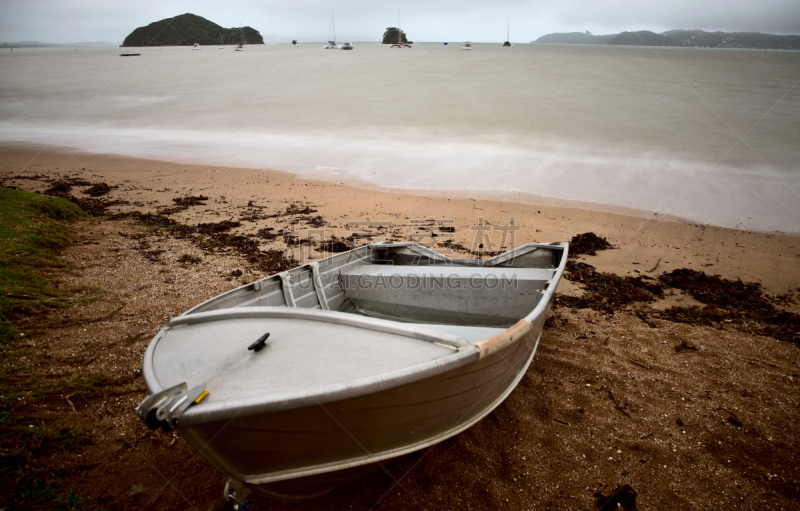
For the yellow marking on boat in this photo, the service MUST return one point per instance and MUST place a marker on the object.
(201, 396)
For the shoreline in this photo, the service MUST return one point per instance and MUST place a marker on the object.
(496, 195)
(754, 199)
(646, 242)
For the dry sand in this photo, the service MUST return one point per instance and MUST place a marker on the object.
(607, 401)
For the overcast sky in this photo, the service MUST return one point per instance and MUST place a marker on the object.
(67, 21)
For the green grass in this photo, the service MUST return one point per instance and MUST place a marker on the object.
(33, 230)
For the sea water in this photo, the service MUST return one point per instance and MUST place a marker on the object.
(710, 135)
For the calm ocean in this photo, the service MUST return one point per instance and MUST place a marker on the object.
(709, 135)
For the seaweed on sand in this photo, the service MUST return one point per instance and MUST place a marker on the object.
(215, 237)
(183, 203)
(190, 200)
(334, 245)
(607, 291)
(587, 243)
(97, 190)
(742, 304)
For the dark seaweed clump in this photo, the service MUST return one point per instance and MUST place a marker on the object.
(742, 304)
(63, 186)
(190, 200)
(334, 245)
(587, 243)
(97, 190)
(607, 291)
(93, 206)
(183, 203)
(294, 209)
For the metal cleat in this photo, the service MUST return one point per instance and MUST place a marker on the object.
(164, 409)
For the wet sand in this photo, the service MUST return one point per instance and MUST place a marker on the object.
(607, 401)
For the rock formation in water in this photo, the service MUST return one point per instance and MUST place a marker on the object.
(391, 36)
(680, 38)
(187, 29)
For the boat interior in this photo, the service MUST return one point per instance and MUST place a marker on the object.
(408, 283)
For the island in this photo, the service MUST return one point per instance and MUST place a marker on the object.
(187, 29)
(680, 38)
(394, 35)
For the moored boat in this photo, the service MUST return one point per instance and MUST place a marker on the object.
(295, 382)
(507, 42)
(400, 35)
(332, 43)
(243, 40)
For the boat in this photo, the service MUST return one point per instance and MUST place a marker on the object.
(466, 46)
(196, 46)
(299, 381)
(347, 46)
(508, 34)
(220, 47)
(243, 41)
(295, 43)
(332, 43)
(400, 43)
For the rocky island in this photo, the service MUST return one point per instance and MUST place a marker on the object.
(187, 29)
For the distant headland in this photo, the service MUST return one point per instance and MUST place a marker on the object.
(187, 29)
(680, 38)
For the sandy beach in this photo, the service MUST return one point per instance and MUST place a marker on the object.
(696, 415)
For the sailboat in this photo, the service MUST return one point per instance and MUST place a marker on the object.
(220, 47)
(399, 43)
(240, 47)
(508, 32)
(332, 43)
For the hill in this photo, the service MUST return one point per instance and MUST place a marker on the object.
(680, 38)
(37, 44)
(187, 29)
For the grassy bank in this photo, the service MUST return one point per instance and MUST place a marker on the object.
(33, 229)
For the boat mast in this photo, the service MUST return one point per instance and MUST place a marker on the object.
(399, 30)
